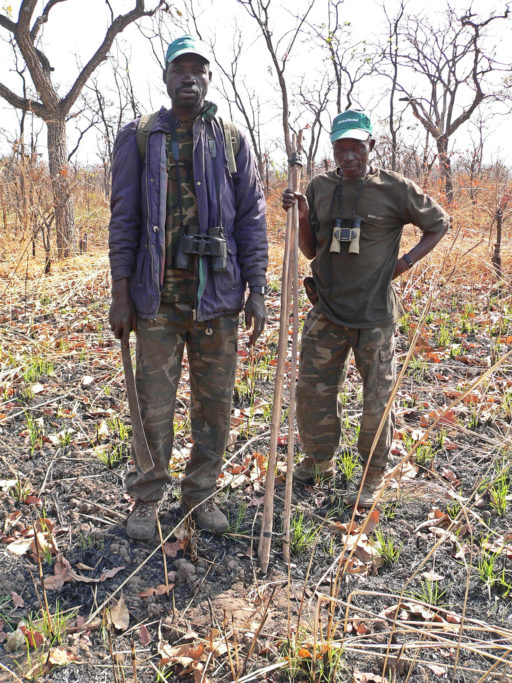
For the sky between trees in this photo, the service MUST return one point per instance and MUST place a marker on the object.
(75, 29)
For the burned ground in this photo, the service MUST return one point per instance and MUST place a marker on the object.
(423, 592)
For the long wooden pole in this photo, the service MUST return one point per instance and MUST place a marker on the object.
(294, 177)
(284, 319)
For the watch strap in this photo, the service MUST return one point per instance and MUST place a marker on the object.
(408, 260)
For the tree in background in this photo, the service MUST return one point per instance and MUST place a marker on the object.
(447, 73)
(280, 49)
(54, 108)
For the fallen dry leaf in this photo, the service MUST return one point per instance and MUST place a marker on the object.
(145, 638)
(119, 615)
(363, 677)
(34, 638)
(17, 600)
(64, 572)
(80, 624)
(20, 546)
(159, 590)
(432, 576)
(180, 654)
(59, 656)
(450, 475)
(172, 549)
(437, 670)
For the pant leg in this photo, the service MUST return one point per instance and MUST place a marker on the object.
(324, 357)
(212, 360)
(159, 354)
(375, 360)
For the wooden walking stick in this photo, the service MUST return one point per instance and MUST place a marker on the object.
(294, 176)
(268, 505)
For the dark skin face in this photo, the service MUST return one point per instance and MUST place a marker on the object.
(187, 79)
(352, 156)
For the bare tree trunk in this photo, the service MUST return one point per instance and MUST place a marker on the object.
(394, 33)
(59, 172)
(496, 255)
(446, 167)
(52, 107)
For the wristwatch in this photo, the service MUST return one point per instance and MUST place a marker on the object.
(408, 260)
(258, 290)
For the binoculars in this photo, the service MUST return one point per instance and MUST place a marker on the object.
(213, 244)
(346, 230)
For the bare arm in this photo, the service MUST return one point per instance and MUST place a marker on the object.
(307, 243)
(427, 242)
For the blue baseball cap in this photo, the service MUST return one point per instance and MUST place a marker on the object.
(187, 45)
(351, 124)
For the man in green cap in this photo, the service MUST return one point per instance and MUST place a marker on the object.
(350, 224)
(187, 239)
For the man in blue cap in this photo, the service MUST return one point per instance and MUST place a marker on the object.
(187, 236)
(351, 222)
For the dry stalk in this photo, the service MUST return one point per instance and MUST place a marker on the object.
(230, 658)
(492, 668)
(162, 546)
(41, 579)
(430, 628)
(108, 626)
(134, 660)
(258, 630)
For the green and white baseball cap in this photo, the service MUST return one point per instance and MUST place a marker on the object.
(351, 124)
(187, 45)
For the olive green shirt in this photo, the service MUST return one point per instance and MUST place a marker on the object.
(355, 289)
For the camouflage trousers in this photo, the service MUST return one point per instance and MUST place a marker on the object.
(324, 361)
(212, 353)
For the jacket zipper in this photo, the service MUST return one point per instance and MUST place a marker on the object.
(148, 204)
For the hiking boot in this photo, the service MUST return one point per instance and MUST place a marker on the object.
(314, 472)
(209, 517)
(141, 522)
(373, 484)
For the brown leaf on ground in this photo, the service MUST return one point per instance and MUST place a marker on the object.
(64, 572)
(34, 638)
(159, 590)
(373, 521)
(60, 656)
(450, 475)
(180, 654)
(80, 624)
(363, 677)
(17, 600)
(110, 573)
(437, 670)
(145, 638)
(119, 616)
(172, 549)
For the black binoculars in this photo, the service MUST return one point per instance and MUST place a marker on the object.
(346, 230)
(213, 244)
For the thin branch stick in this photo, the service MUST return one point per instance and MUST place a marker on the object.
(293, 274)
(268, 505)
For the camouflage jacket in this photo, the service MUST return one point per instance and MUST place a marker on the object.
(138, 213)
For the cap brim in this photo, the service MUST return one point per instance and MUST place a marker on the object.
(353, 133)
(189, 51)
